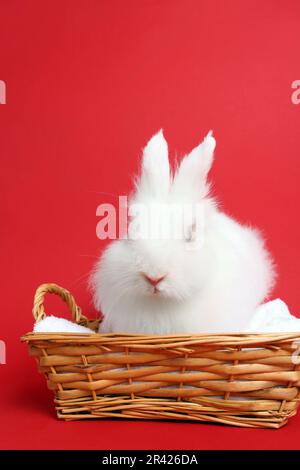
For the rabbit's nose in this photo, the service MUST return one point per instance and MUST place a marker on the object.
(153, 280)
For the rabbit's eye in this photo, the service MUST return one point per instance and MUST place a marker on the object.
(191, 236)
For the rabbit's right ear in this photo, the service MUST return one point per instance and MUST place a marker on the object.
(190, 181)
(155, 172)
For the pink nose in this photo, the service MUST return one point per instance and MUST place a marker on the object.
(153, 280)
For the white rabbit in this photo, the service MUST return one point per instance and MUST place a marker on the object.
(210, 279)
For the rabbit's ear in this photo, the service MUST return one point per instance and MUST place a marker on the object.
(190, 179)
(155, 172)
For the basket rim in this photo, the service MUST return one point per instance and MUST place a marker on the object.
(136, 340)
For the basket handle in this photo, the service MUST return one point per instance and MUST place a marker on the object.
(38, 304)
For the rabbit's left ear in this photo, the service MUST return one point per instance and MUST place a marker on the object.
(190, 179)
(155, 172)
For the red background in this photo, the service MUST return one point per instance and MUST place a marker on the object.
(87, 84)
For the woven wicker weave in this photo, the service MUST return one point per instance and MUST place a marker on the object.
(239, 379)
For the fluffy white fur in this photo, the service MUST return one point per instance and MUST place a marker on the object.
(211, 286)
(271, 317)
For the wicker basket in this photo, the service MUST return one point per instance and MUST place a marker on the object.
(245, 380)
